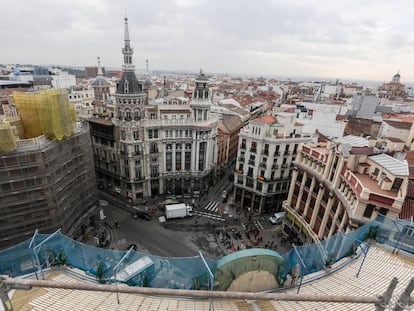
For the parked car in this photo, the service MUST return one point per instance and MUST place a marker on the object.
(276, 218)
(142, 215)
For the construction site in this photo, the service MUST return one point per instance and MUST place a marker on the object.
(47, 177)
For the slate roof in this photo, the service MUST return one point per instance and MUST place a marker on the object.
(134, 87)
(101, 82)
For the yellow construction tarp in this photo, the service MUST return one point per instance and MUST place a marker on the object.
(46, 112)
(26, 104)
(73, 112)
(17, 126)
(7, 139)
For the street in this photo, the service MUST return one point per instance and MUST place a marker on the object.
(149, 236)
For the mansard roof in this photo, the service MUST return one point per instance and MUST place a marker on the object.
(134, 86)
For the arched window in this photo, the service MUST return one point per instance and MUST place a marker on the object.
(137, 115)
(127, 115)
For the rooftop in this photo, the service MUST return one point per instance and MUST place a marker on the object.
(265, 120)
(342, 280)
(396, 167)
(354, 141)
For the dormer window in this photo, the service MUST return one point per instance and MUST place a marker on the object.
(126, 87)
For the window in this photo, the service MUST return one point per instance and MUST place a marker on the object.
(253, 146)
(153, 148)
(137, 115)
(250, 172)
(383, 211)
(127, 115)
(178, 161)
(123, 135)
(137, 149)
(369, 210)
(136, 135)
(259, 186)
(396, 185)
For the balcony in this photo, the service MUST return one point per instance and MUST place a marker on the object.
(155, 151)
(285, 165)
(243, 146)
(259, 177)
(277, 154)
(251, 162)
(263, 164)
(254, 150)
(238, 171)
(265, 152)
(275, 166)
(241, 159)
(286, 153)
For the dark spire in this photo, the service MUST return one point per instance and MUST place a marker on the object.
(127, 50)
(128, 83)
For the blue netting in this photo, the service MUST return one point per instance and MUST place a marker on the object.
(191, 273)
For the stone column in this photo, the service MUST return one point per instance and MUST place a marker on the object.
(325, 217)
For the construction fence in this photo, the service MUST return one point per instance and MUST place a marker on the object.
(141, 269)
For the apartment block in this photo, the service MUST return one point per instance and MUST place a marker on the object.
(340, 185)
(267, 147)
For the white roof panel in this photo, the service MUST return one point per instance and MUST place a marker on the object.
(354, 141)
(396, 167)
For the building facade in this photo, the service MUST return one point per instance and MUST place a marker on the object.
(47, 184)
(339, 186)
(267, 147)
(158, 148)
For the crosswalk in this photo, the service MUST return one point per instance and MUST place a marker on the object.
(209, 215)
(256, 223)
(212, 206)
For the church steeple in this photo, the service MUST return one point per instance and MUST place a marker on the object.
(127, 50)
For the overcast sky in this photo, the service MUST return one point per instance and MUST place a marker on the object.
(360, 39)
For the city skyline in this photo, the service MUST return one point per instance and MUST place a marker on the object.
(272, 38)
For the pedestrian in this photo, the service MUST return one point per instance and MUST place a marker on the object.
(116, 223)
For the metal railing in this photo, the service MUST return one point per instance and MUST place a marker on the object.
(402, 302)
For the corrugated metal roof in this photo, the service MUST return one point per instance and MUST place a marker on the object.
(396, 167)
(354, 141)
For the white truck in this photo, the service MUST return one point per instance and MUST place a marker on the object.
(179, 210)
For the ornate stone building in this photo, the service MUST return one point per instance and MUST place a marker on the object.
(158, 148)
